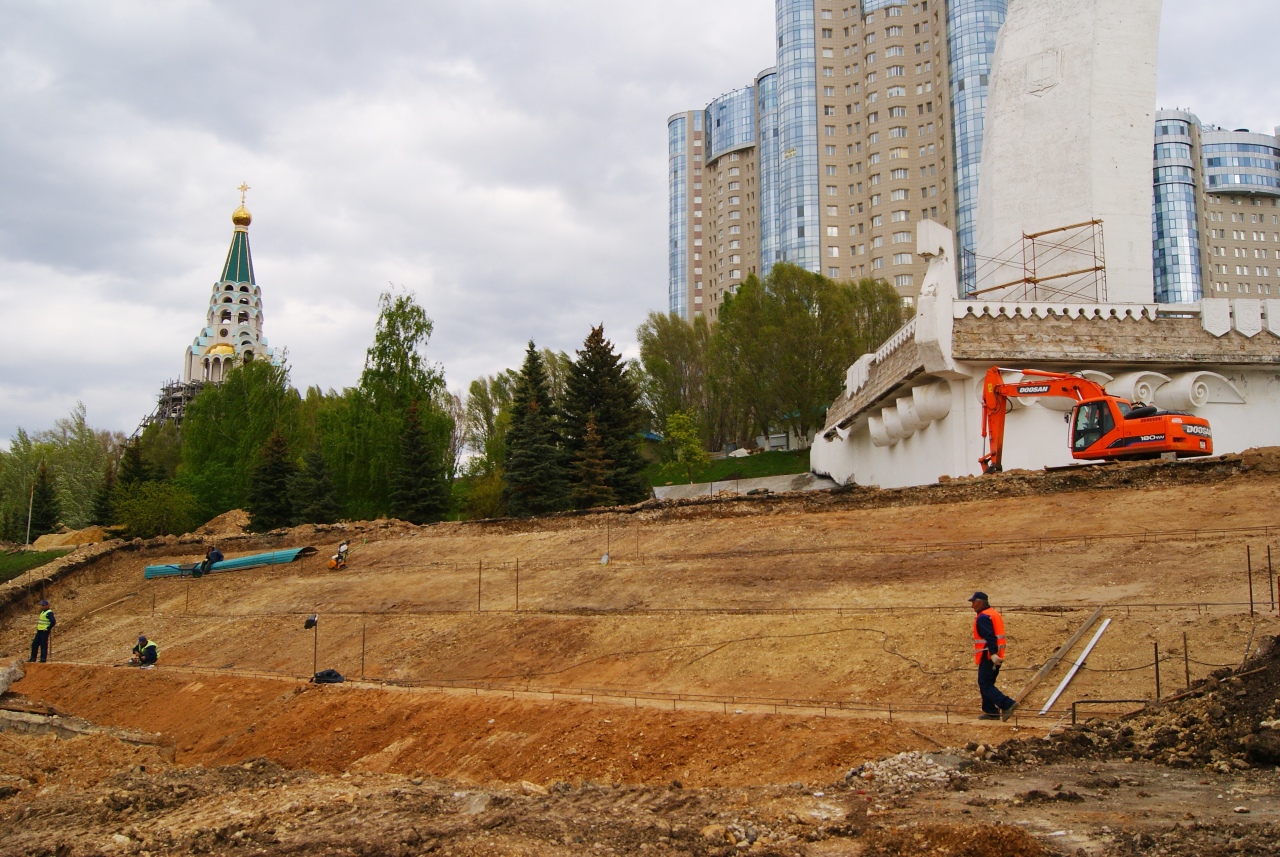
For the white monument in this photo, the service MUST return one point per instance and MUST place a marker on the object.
(1068, 140)
(1067, 137)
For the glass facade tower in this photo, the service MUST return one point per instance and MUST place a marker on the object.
(797, 135)
(767, 155)
(678, 194)
(1215, 223)
(869, 123)
(1175, 219)
(972, 27)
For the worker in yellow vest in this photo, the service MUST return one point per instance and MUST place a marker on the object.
(145, 653)
(988, 654)
(44, 624)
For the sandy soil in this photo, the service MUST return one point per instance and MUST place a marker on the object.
(667, 664)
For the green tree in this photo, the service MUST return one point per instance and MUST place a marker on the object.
(361, 429)
(420, 486)
(225, 429)
(684, 444)
(396, 371)
(487, 417)
(600, 388)
(743, 356)
(558, 366)
(270, 502)
(78, 458)
(591, 471)
(44, 504)
(674, 355)
(536, 471)
(18, 468)
(103, 500)
(133, 467)
(481, 495)
(877, 314)
(315, 501)
(150, 508)
(161, 447)
(782, 345)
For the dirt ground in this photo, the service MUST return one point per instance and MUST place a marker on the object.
(706, 691)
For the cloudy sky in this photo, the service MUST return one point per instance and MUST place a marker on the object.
(503, 159)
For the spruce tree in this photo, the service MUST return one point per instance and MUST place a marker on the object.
(315, 500)
(103, 511)
(591, 469)
(44, 504)
(536, 471)
(599, 386)
(133, 467)
(270, 505)
(419, 486)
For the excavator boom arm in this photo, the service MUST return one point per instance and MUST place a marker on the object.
(995, 402)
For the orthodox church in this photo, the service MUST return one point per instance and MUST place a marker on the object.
(233, 325)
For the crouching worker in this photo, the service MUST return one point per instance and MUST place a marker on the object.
(339, 560)
(145, 653)
(211, 556)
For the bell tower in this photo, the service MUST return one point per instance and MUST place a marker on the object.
(233, 326)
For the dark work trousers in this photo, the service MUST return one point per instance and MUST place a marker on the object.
(993, 701)
(40, 643)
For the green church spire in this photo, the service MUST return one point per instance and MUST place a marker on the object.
(239, 264)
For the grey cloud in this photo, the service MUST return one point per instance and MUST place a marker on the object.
(504, 159)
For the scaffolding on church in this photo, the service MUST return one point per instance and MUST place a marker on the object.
(171, 404)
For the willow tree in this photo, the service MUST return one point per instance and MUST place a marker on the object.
(783, 345)
(361, 429)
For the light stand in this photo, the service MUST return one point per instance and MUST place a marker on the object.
(313, 622)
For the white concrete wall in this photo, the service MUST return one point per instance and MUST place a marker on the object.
(1067, 134)
(1035, 436)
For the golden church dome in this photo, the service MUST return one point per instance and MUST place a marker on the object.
(241, 216)
(222, 348)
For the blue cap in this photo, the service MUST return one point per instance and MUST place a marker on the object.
(979, 596)
(44, 603)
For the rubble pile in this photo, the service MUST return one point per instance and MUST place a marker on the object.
(909, 772)
(1226, 722)
(931, 840)
(1197, 840)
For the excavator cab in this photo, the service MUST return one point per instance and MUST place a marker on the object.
(1092, 421)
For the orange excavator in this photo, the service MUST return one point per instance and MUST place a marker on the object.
(1102, 426)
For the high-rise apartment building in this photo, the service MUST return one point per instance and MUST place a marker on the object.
(1216, 216)
(870, 122)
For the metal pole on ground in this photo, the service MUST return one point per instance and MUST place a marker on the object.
(479, 577)
(1271, 581)
(363, 627)
(1157, 649)
(1248, 553)
(517, 584)
(1186, 659)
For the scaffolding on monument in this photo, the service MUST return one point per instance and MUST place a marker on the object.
(171, 404)
(1068, 263)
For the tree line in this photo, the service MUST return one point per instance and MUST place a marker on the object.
(559, 432)
(775, 359)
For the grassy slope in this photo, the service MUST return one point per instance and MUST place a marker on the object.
(764, 464)
(14, 564)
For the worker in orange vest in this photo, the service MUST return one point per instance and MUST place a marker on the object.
(988, 654)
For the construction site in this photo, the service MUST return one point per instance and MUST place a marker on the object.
(785, 674)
